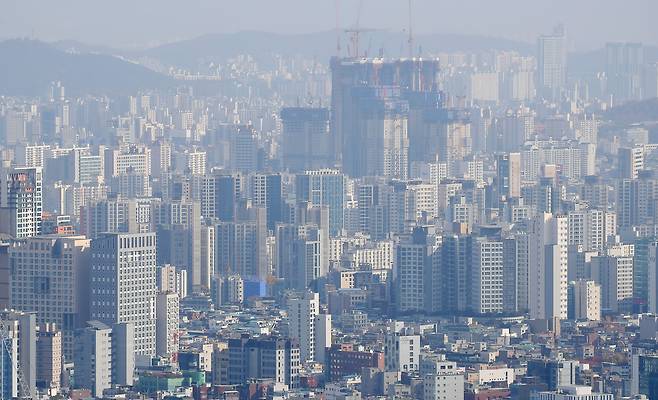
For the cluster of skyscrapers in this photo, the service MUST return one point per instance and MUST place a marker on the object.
(200, 246)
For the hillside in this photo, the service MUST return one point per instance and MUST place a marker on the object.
(28, 67)
(200, 51)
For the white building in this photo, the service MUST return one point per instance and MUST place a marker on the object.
(591, 228)
(123, 284)
(195, 162)
(547, 263)
(234, 285)
(587, 300)
(631, 162)
(307, 325)
(423, 200)
(615, 275)
(487, 276)
(442, 380)
(135, 158)
(484, 87)
(172, 279)
(572, 393)
(166, 323)
(401, 349)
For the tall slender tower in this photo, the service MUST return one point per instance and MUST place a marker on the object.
(548, 260)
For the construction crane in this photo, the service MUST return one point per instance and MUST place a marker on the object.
(5, 337)
(355, 34)
(337, 4)
(411, 36)
(354, 50)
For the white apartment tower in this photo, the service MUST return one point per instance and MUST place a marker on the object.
(306, 324)
(548, 261)
(487, 276)
(552, 63)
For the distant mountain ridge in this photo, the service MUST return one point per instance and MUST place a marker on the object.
(322, 45)
(27, 68)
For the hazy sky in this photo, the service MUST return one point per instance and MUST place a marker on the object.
(129, 23)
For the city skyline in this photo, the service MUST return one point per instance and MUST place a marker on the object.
(365, 215)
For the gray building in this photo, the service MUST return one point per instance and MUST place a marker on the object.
(442, 380)
(307, 141)
(93, 358)
(123, 284)
(104, 356)
(258, 358)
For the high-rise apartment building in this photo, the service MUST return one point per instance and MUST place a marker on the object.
(307, 141)
(266, 191)
(548, 262)
(615, 276)
(178, 225)
(624, 68)
(240, 246)
(552, 63)
(486, 286)
(135, 158)
(411, 270)
(325, 187)
(21, 201)
(309, 327)
(631, 162)
(117, 214)
(301, 256)
(508, 175)
(169, 278)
